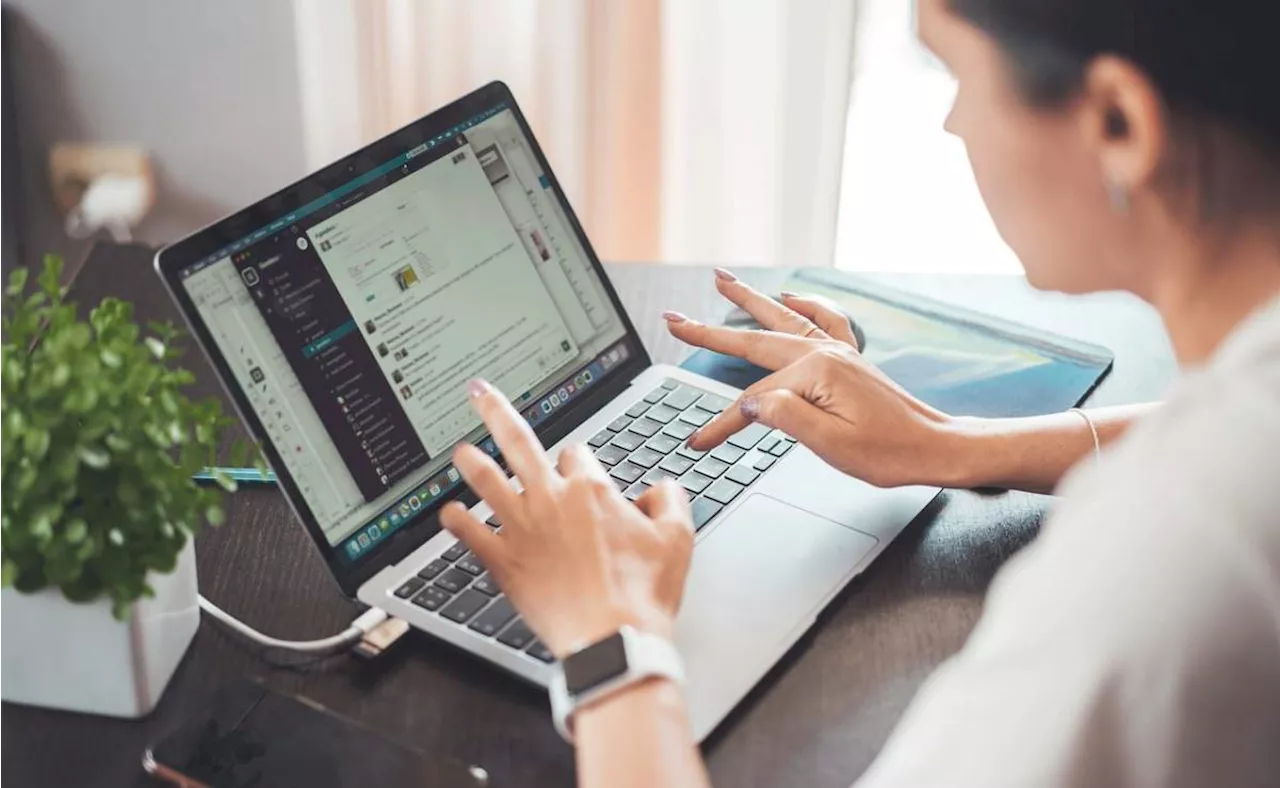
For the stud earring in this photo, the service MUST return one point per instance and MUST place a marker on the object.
(1118, 195)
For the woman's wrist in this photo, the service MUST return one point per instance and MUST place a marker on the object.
(969, 453)
(592, 628)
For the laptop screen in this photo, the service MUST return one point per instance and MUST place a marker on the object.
(353, 323)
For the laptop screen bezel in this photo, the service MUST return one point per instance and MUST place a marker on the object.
(172, 260)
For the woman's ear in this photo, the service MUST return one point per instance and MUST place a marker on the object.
(1123, 121)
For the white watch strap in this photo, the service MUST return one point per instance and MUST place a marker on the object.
(647, 656)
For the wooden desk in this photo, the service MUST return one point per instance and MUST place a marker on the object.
(817, 720)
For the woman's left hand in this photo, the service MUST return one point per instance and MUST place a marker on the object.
(576, 558)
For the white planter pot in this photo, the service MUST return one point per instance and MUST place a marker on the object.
(78, 657)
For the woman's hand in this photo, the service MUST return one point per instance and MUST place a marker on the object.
(575, 557)
(823, 392)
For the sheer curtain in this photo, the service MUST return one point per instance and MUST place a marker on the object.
(708, 131)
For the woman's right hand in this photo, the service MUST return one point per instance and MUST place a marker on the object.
(823, 392)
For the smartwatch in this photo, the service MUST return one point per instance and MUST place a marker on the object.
(620, 660)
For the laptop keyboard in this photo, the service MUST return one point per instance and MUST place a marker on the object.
(639, 449)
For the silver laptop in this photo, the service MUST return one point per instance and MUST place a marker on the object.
(344, 315)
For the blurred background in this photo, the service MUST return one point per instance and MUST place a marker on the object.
(738, 132)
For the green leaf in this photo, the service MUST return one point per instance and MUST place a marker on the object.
(111, 358)
(77, 530)
(224, 481)
(8, 573)
(95, 458)
(156, 347)
(17, 283)
(215, 515)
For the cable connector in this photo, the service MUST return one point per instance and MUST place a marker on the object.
(380, 638)
(358, 629)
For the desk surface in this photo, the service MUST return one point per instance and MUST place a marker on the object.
(817, 720)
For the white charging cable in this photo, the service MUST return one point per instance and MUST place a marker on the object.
(348, 637)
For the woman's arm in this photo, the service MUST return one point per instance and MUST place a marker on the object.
(1031, 453)
(639, 737)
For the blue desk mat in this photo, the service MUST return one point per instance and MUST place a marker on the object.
(959, 361)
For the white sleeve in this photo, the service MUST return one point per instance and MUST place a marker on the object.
(1137, 641)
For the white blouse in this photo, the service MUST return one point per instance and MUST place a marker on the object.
(1136, 642)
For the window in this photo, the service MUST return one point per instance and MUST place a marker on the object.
(908, 198)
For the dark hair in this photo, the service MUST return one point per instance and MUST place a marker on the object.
(1213, 62)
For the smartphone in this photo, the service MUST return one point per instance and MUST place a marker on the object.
(253, 736)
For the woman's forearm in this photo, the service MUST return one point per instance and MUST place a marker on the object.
(640, 737)
(1030, 453)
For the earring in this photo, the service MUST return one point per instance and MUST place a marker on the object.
(1118, 195)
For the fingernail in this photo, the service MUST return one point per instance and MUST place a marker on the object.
(789, 294)
(478, 388)
(692, 439)
(749, 407)
(673, 317)
(725, 276)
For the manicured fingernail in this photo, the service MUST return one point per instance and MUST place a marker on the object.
(478, 388)
(749, 407)
(725, 276)
(789, 294)
(673, 317)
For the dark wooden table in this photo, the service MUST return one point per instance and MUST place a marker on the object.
(817, 720)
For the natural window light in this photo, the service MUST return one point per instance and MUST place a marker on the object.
(908, 198)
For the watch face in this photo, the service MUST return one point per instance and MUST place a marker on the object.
(595, 665)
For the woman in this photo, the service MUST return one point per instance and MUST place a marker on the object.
(1119, 144)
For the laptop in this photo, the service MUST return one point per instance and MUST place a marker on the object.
(344, 315)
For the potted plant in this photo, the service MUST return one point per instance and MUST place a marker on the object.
(99, 506)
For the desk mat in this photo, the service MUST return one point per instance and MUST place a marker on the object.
(961, 362)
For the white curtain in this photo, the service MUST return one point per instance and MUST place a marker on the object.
(682, 130)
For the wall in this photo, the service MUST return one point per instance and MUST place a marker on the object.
(209, 88)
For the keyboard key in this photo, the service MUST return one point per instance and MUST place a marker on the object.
(703, 510)
(669, 384)
(726, 453)
(768, 443)
(464, 606)
(611, 455)
(432, 598)
(629, 441)
(487, 585)
(627, 472)
(493, 521)
(696, 416)
(599, 439)
(742, 474)
(454, 553)
(646, 427)
(691, 453)
(723, 491)
(676, 465)
(646, 458)
(541, 652)
(638, 409)
(453, 580)
(619, 424)
(432, 569)
(710, 466)
(472, 565)
(764, 463)
(780, 448)
(517, 635)
(663, 444)
(694, 482)
(713, 403)
(749, 437)
(411, 586)
(494, 618)
(655, 396)
(682, 397)
(656, 475)
(635, 491)
(679, 430)
(662, 413)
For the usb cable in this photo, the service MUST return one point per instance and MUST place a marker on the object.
(372, 625)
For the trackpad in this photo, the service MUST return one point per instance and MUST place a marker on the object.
(757, 580)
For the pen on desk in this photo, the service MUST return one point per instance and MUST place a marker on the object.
(239, 475)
